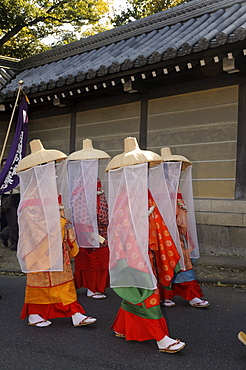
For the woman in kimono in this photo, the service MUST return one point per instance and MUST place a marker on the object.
(177, 173)
(141, 249)
(46, 243)
(90, 219)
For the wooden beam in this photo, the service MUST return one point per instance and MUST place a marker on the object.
(143, 124)
(73, 131)
(240, 188)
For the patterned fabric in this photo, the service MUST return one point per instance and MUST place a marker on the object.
(181, 219)
(80, 209)
(153, 300)
(91, 264)
(81, 217)
(163, 254)
(102, 214)
(126, 249)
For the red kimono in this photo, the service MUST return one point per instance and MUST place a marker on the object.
(91, 264)
(144, 320)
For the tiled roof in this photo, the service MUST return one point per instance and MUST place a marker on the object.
(5, 76)
(6, 72)
(188, 28)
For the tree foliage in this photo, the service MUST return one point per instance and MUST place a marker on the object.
(25, 23)
(137, 9)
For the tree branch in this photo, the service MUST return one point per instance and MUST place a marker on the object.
(16, 29)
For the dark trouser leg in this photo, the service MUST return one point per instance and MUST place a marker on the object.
(11, 217)
(4, 235)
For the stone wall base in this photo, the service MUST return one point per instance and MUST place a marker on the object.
(222, 240)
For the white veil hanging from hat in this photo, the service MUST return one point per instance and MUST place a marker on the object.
(181, 181)
(40, 242)
(172, 171)
(166, 200)
(82, 187)
(62, 187)
(187, 193)
(128, 228)
(103, 175)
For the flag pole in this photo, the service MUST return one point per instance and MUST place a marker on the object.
(10, 122)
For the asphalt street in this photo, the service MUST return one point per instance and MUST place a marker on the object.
(210, 334)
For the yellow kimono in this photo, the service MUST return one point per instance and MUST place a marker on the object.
(53, 294)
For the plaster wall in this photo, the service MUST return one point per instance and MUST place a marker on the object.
(202, 126)
(108, 127)
(54, 132)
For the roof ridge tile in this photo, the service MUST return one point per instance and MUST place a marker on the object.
(178, 13)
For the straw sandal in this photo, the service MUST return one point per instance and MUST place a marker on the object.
(200, 303)
(86, 321)
(119, 335)
(174, 347)
(168, 303)
(40, 322)
(96, 295)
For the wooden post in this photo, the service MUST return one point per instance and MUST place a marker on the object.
(73, 130)
(240, 187)
(143, 124)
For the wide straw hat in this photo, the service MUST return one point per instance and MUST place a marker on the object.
(39, 155)
(88, 152)
(133, 155)
(167, 156)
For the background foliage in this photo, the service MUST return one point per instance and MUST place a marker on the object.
(137, 9)
(25, 23)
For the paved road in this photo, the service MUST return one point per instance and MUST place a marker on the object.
(210, 334)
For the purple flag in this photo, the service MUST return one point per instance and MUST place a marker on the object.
(8, 178)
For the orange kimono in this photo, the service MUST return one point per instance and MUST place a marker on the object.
(53, 294)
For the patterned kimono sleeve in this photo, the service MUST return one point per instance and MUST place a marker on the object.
(102, 214)
(181, 215)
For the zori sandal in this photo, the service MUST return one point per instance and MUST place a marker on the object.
(200, 303)
(170, 345)
(86, 321)
(37, 320)
(168, 303)
(96, 295)
(119, 335)
(174, 347)
(41, 324)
